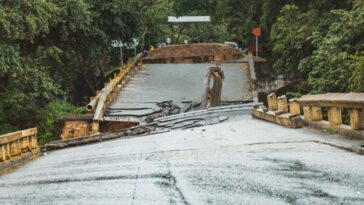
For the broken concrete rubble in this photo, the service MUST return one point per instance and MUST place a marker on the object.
(159, 125)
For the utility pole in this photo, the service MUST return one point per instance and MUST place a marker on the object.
(118, 43)
(257, 32)
(136, 43)
(121, 56)
(256, 46)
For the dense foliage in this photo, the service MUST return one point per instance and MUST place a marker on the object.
(56, 53)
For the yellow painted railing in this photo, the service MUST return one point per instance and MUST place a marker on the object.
(334, 103)
(17, 143)
(109, 93)
(315, 107)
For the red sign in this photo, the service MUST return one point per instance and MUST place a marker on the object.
(257, 32)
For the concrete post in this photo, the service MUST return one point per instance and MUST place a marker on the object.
(335, 117)
(34, 142)
(312, 113)
(356, 119)
(8, 153)
(307, 113)
(19, 147)
(294, 107)
(95, 126)
(14, 149)
(3, 153)
(316, 113)
(24, 143)
(272, 102)
(282, 104)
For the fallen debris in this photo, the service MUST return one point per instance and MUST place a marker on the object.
(187, 120)
(142, 112)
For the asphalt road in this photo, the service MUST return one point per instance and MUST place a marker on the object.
(240, 161)
(182, 82)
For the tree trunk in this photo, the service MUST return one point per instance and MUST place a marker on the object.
(143, 37)
(82, 65)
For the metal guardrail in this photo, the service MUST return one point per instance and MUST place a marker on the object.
(16, 143)
(105, 97)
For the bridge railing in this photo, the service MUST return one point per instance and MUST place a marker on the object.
(17, 143)
(280, 111)
(313, 106)
(109, 93)
(288, 113)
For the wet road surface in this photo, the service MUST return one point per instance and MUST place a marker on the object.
(240, 161)
(182, 82)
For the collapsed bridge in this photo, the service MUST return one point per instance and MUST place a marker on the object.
(168, 81)
(241, 160)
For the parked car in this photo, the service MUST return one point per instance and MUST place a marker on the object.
(161, 45)
(232, 44)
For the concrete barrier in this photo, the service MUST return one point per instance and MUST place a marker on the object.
(17, 147)
(279, 112)
(314, 107)
(335, 103)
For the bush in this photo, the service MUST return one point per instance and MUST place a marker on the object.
(48, 129)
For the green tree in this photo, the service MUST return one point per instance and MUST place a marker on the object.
(295, 28)
(55, 50)
(291, 36)
(26, 84)
(337, 64)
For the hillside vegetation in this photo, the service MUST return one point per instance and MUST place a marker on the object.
(54, 54)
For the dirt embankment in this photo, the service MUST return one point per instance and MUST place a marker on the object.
(196, 53)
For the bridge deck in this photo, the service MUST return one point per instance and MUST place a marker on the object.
(241, 161)
(179, 83)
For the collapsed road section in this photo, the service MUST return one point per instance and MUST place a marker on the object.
(159, 125)
(180, 83)
(140, 92)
